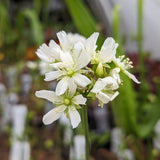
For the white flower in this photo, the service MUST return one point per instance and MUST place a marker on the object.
(104, 89)
(66, 103)
(49, 53)
(68, 61)
(52, 52)
(107, 52)
(124, 64)
(70, 71)
(69, 42)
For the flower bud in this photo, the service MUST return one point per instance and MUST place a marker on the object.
(99, 71)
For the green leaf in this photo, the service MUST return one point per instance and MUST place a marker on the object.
(151, 117)
(35, 24)
(116, 22)
(37, 6)
(4, 22)
(83, 19)
(124, 108)
(98, 140)
(116, 29)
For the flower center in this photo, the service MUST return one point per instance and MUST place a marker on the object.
(67, 101)
(124, 63)
(70, 73)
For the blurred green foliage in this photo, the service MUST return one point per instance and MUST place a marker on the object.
(16, 36)
(36, 27)
(83, 19)
(133, 111)
(4, 22)
(125, 106)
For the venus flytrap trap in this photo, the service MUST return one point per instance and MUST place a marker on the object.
(82, 72)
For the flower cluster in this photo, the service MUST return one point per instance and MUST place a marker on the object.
(81, 70)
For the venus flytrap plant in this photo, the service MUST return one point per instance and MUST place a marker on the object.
(82, 72)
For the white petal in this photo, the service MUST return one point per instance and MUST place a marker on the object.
(72, 87)
(53, 114)
(45, 53)
(103, 97)
(131, 76)
(57, 65)
(111, 81)
(55, 48)
(42, 53)
(99, 85)
(52, 75)
(78, 47)
(108, 50)
(54, 45)
(81, 80)
(91, 43)
(83, 60)
(74, 38)
(64, 41)
(115, 74)
(46, 94)
(42, 56)
(109, 43)
(114, 95)
(106, 55)
(74, 116)
(66, 58)
(62, 86)
(79, 99)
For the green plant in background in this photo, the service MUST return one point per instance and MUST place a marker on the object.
(4, 22)
(133, 111)
(150, 108)
(124, 108)
(35, 25)
(83, 19)
(42, 8)
(26, 31)
(116, 22)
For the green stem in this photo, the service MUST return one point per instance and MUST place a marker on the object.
(86, 131)
(140, 37)
(140, 30)
(144, 86)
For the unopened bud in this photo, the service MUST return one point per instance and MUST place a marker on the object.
(99, 71)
